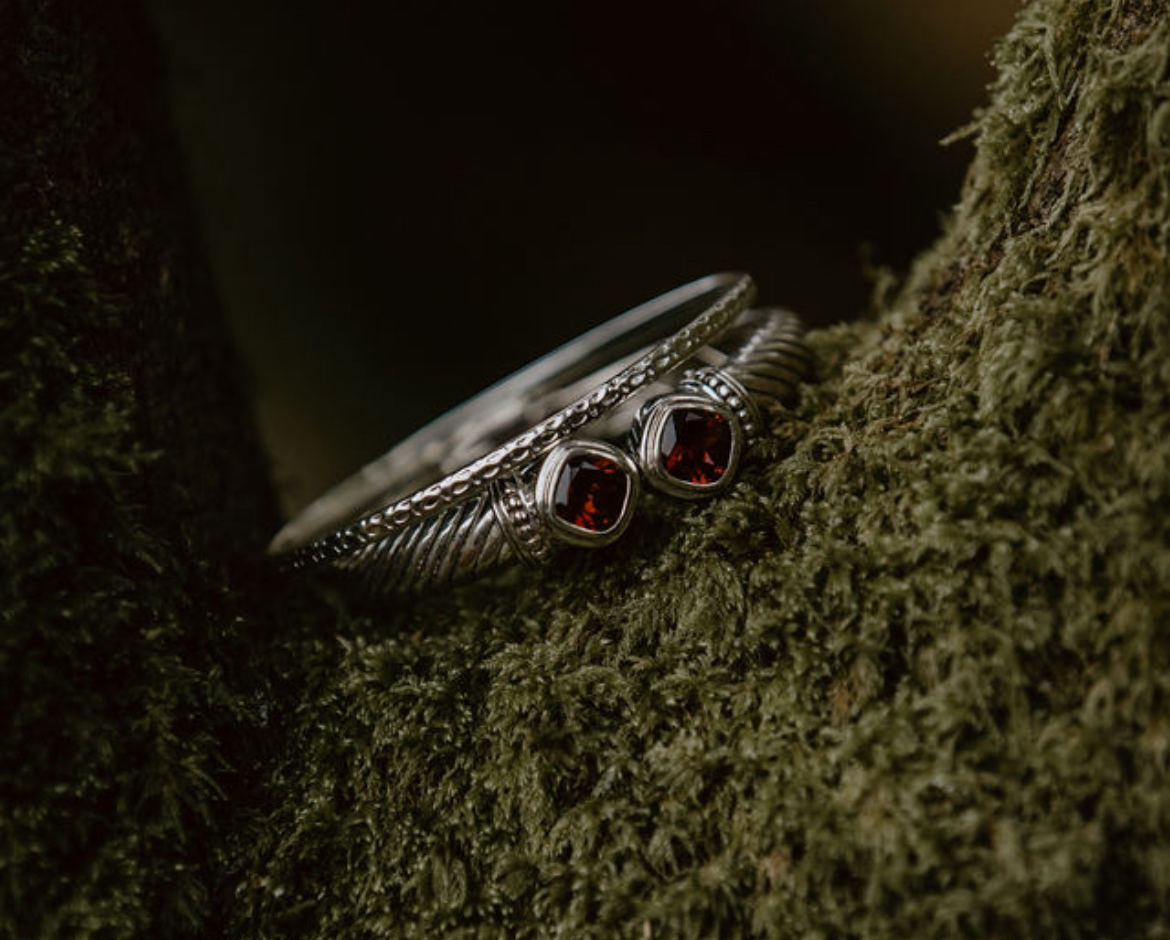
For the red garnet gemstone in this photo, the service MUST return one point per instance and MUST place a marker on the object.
(696, 445)
(591, 493)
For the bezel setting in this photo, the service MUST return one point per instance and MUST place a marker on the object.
(653, 426)
(556, 462)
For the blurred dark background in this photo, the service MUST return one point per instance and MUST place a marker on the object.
(403, 203)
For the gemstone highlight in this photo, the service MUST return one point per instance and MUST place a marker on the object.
(696, 446)
(591, 493)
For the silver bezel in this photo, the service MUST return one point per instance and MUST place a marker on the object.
(649, 445)
(546, 485)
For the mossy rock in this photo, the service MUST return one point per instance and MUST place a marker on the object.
(909, 678)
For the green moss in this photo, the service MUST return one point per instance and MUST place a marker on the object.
(125, 717)
(908, 679)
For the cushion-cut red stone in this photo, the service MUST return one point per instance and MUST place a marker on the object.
(591, 493)
(696, 445)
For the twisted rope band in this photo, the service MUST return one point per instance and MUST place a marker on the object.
(411, 531)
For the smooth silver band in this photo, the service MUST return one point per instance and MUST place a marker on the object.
(458, 497)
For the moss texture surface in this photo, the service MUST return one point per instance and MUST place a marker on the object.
(909, 678)
(133, 492)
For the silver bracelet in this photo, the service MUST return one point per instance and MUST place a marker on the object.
(557, 453)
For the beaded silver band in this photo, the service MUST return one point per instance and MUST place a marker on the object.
(478, 487)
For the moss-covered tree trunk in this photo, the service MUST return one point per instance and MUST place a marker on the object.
(134, 495)
(909, 678)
